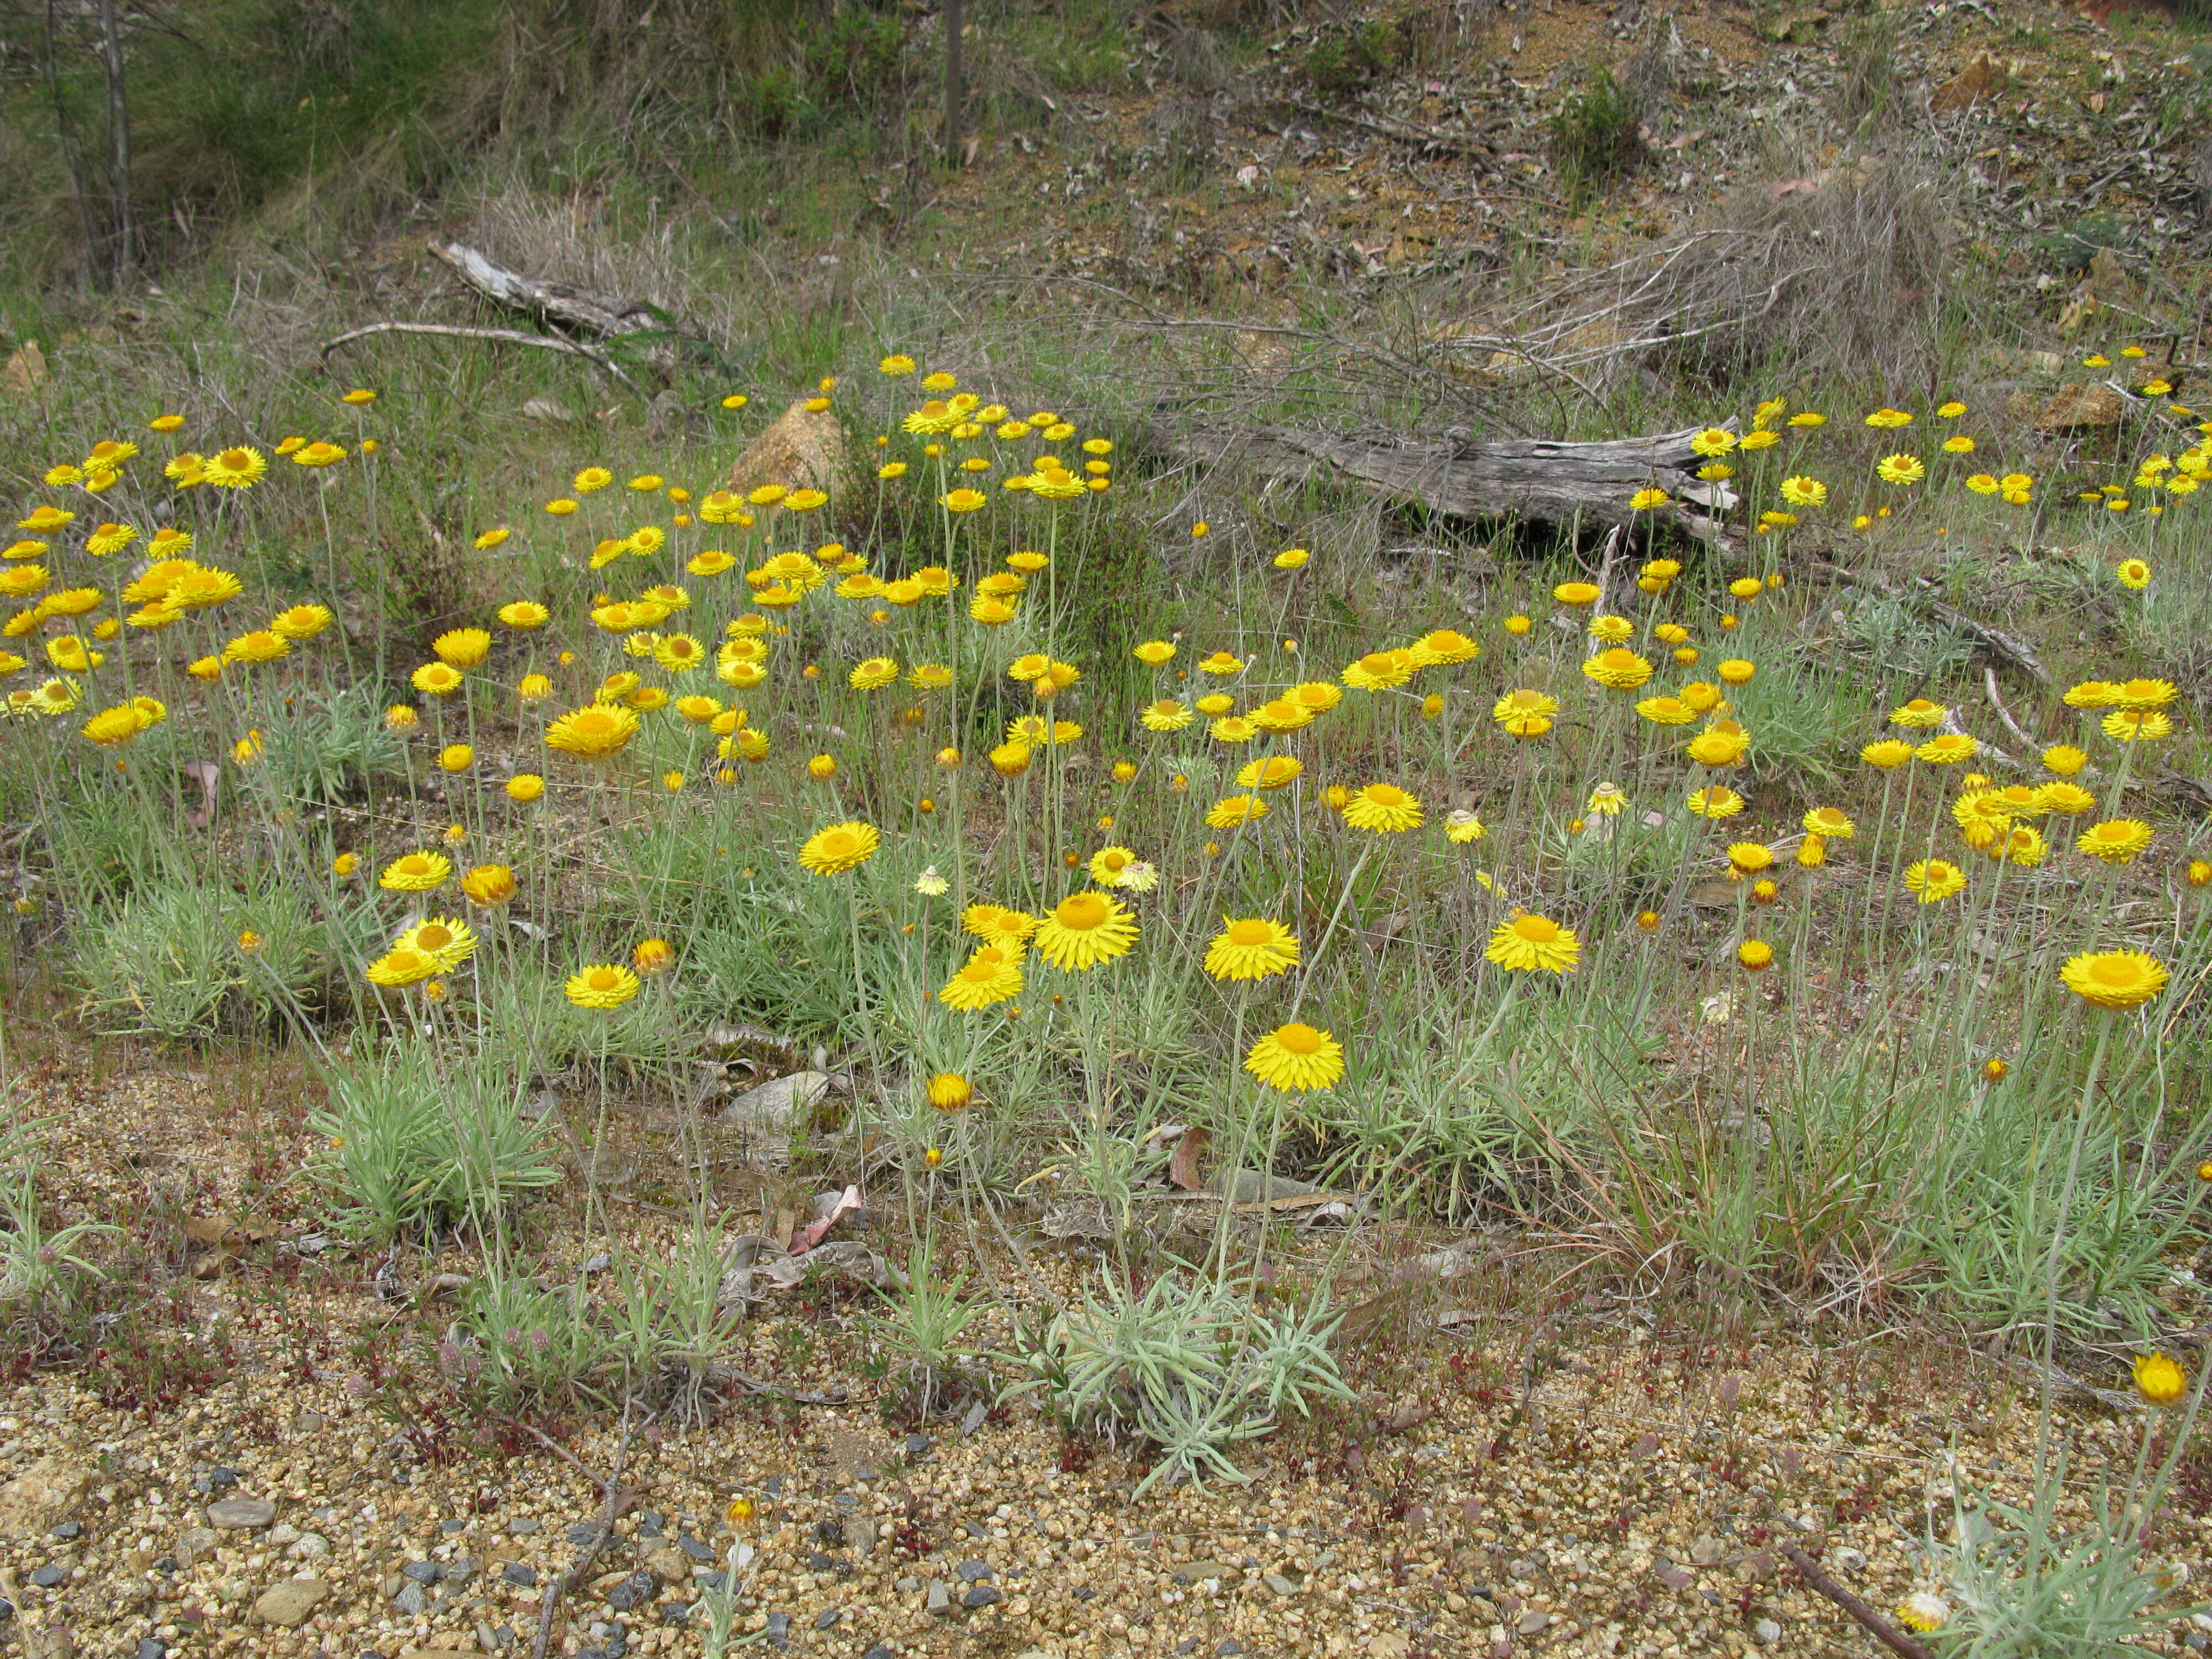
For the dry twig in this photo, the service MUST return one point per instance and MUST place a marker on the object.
(1877, 1626)
(508, 336)
(576, 1575)
(2010, 646)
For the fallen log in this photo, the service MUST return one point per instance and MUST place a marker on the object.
(1550, 480)
(558, 304)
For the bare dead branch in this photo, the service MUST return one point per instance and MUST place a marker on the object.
(576, 1575)
(505, 336)
(1875, 1626)
(2010, 647)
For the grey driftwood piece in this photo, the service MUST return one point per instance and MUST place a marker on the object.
(1548, 479)
(559, 305)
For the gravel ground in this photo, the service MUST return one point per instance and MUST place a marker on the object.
(317, 1494)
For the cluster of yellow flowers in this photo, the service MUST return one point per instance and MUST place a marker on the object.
(1681, 742)
(2160, 480)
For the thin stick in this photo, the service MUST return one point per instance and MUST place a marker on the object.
(1989, 681)
(511, 337)
(576, 1575)
(1877, 1626)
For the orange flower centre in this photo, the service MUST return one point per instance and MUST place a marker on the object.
(1082, 913)
(1250, 933)
(1299, 1039)
(1537, 930)
(1386, 794)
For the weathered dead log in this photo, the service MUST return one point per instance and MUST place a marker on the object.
(558, 304)
(1547, 479)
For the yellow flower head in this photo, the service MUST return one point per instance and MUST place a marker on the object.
(839, 848)
(1533, 944)
(1084, 930)
(2114, 979)
(1255, 948)
(1296, 1059)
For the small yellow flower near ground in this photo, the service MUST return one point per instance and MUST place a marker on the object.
(1923, 1613)
(2159, 1379)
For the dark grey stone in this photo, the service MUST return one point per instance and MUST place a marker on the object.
(69, 1530)
(919, 1445)
(423, 1572)
(773, 1487)
(1188, 1645)
(973, 1572)
(981, 1596)
(831, 1531)
(450, 1527)
(521, 1525)
(881, 1650)
(818, 1562)
(778, 1630)
(49, 1576)
(633, 1591)
(692, 1547)
(520, 1574)
(410, 1600)
(828, 1618)
(149, 1648)
(713, 1581)
(584, 1533)
(1230, 1646)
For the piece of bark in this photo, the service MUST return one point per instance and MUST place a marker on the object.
(1551, 480)
(561, 305)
